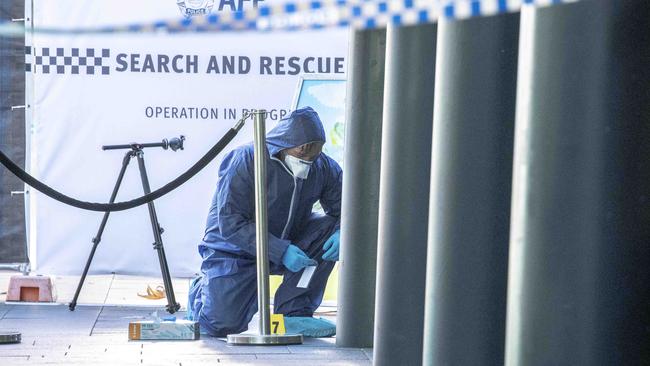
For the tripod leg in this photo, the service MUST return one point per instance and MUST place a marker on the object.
(172, 305)
(98, 237)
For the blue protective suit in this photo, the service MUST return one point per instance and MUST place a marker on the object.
(224, 298)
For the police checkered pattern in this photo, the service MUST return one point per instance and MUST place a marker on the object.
(360, 14)
(315, 14)
(87, 61)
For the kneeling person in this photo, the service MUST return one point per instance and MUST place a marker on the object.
(224, 298)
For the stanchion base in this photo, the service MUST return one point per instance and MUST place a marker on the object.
(261, 339)
(9, 337)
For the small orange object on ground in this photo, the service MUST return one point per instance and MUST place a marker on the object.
(31, 289)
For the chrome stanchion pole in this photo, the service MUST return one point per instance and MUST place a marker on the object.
(261, 226)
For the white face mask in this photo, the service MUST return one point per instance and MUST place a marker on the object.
(299, 167)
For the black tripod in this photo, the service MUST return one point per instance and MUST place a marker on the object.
(137, 152)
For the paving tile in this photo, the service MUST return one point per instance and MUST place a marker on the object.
(44, 345)
(49, 327)
(118, 298)
(118, 323)
(99, 360)
(45, 341)
(113, 313)
(4, 309)
(5, 275)
(121, 311)
(113, 327)
(186, 360)
(6, 355)
(125, 289)
(52, 335)
(202, 347)
(58, 311)
(94, 290)
(159, 348)
(109, 289)
(76, 352)
(368, 352)
(117, 319)
(260, 362)
(317, 342)
(72, 322)
(105, 351)
(178, 282)
(334, 351)
(21, 348)
(316, 354)
(126, 297)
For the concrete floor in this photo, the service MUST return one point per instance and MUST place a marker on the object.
(96, 333)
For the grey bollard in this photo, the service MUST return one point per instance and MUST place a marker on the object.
(359, 218)
(579, 287)
(467, 267)
(404, 194)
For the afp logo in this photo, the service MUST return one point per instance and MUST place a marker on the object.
(190, 8)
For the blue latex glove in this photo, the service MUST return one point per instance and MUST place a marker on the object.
(295, 259)
(331, 247)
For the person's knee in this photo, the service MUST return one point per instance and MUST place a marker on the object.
(227, 306)
(227, 296)
(219, 326)
(220, 318)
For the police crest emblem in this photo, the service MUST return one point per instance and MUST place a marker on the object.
(190, 8)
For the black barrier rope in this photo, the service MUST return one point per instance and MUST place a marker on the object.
(121, 206)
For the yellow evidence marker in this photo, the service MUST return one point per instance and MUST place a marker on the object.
(277, 324)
